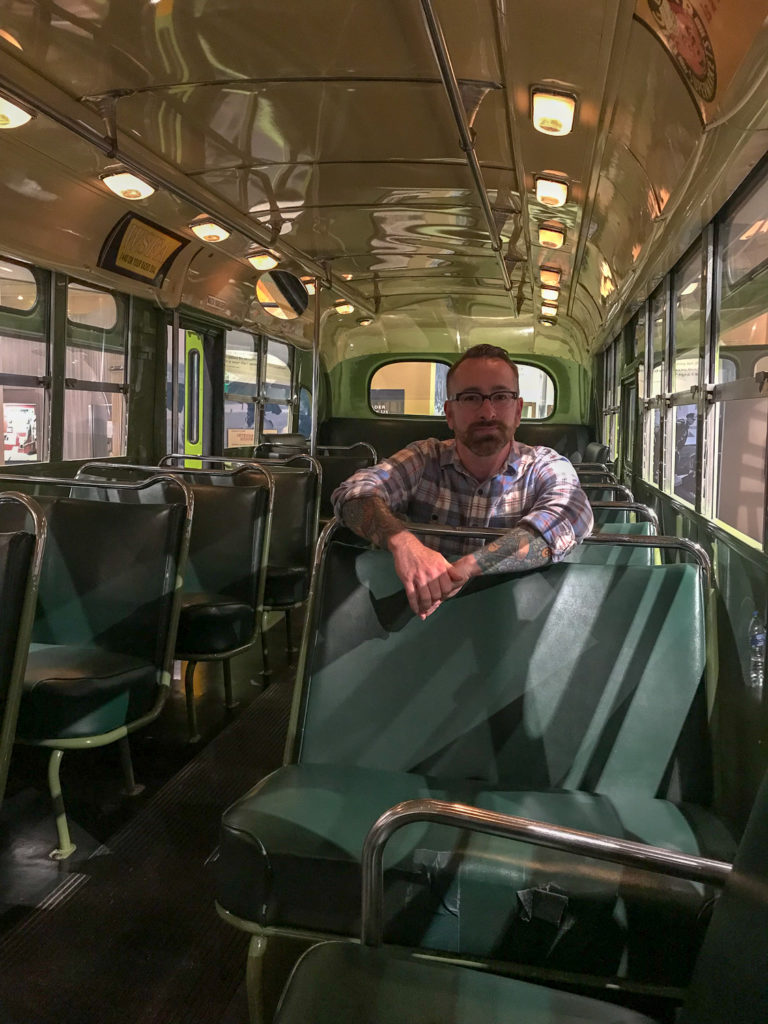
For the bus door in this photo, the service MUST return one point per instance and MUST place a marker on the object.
(193, 357)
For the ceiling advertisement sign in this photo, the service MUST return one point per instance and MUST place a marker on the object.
(139, 249)
(707, 40)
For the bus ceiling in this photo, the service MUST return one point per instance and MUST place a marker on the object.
(437, 171)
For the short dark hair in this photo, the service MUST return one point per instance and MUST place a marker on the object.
(481, 352)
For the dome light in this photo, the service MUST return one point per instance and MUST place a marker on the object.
(551, 192)
(550, 294)
(549, 309)
(209, 231)
(309, 284)
(343, 306)
(550, 276)
(552, 236)
(365, 321)
(552, 112)
(547, 321)
(127, 185)
(263, 260)
(12, 115)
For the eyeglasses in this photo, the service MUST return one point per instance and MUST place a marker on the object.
(474, 399)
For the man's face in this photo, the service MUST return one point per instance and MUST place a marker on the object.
(489, 428)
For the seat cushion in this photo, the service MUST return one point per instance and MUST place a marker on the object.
(338, 982)
(286, 586)
(290, 857)
(72, 692)
(213, 624)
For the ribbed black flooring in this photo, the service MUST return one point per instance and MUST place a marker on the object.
(133, 938)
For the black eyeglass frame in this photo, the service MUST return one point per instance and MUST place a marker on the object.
(482, 396)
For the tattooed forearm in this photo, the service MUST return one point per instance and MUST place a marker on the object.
(371, 518)
(517, 551)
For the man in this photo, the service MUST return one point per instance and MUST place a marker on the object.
(481, 478)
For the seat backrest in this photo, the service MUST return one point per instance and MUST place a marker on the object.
(730, 980)
(21, 554)
(109, 576)
(294, 513)
(578, 676)
(595, 451)
(226, 548)
(616, 554)
(336, 469)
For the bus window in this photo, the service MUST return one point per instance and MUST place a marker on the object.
(741, 412)
(277, 389)
(94, 403)
(413, 388)
(305, 412)
(241, 389)
(687, 339)
(18, 287)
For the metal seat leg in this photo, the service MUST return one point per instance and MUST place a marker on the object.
(66, 847)
(130, 786)
(228, 700)
(266, 671)
(189, 688)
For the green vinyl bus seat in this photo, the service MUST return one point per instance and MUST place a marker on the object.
(99, 664)
(593, 553)
(338, 463)
(225, 574)
(21, 553)
(340, 982)
(607, 512)
(574, 694)
(295, 510)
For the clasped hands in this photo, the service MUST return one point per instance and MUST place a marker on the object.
(428, 578)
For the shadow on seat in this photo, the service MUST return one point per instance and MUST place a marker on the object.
(224, 580)
(336, 982)
(99, 664)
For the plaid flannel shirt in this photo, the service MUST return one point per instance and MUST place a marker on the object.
(427, 483)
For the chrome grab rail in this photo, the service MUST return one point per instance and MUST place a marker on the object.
(569, 840)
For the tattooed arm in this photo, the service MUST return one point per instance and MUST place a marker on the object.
(520, 550)
(423, 571)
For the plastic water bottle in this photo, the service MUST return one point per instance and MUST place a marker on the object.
(756, 651)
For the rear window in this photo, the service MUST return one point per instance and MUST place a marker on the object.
(418, 388)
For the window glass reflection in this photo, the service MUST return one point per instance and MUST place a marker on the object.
(686, 430)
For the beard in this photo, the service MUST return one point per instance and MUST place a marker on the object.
(486, 437)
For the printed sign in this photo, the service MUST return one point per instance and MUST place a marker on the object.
(707, 40)
(19, 432)
(238, 437)
(140, 250)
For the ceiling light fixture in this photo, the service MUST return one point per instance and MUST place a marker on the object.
(127, 185)
(209, 231)
(342, 306)
(365, 321)
(550, 294)
(547, 321)
(12, 115)
(549, 309)
(552, 112)
(550, 276)
(309, 284)
(551, 192)
(263, 260)
(551, 236)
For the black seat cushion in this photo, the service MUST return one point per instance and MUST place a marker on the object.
(286, 586)
(342, 983)
(290, 857)
(71, 692)
(212, 624)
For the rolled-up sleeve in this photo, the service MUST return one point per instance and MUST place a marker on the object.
(393, 480)
(561, 512)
